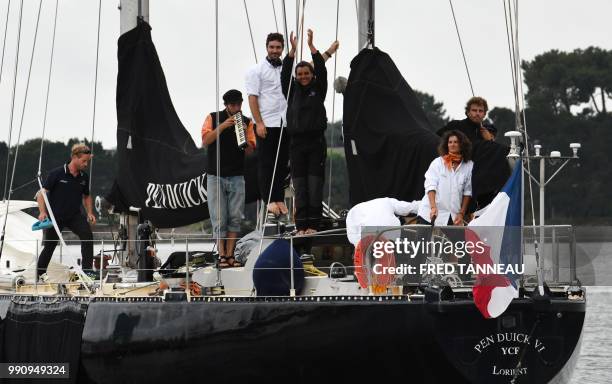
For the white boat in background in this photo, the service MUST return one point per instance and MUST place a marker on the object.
(21, 247)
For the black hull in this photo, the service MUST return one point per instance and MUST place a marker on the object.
(286, 340)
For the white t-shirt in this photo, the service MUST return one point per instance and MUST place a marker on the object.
(263, 80)
(450, 186)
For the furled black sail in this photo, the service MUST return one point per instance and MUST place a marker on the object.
(388, 141)
(160, 169)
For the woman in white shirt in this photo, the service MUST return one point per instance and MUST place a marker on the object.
(448, 182)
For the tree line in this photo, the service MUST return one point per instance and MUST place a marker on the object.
(567, 100)
(54, 154)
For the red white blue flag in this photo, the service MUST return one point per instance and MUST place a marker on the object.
(499, 228)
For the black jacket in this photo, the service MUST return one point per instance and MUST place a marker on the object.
(305, 109)
(491, 169)
(465, 126)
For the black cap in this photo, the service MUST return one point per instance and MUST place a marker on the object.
(490, 127)
(232, 96)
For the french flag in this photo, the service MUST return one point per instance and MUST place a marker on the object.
(499, 227)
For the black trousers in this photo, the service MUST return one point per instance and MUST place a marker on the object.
(266, 154)
(307, 155)
(79, 226)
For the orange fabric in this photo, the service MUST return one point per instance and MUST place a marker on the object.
(451, 158)
(206, 127)
(250, 134)
(250, 131)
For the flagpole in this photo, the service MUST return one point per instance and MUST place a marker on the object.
(518, 153)
(522, 165)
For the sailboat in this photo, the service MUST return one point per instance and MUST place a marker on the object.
(329, 330)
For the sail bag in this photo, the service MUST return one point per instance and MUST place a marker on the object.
(160, 169)
(388, 140)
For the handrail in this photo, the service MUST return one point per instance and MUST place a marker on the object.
(562, 236)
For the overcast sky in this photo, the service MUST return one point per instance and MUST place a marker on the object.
(419, 36)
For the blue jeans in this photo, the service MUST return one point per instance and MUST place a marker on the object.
(226, 208)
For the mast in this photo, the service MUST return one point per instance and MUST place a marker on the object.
(130, 10)
(365, 24)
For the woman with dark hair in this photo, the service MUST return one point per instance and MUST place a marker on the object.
(306, 124)
(448, 182)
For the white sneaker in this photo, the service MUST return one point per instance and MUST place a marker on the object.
(43, 278)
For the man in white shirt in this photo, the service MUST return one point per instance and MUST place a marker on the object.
(268, 106)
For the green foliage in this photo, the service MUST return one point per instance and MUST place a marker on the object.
(434, 110)
(581, 192)
(333, 134)
(504, 120)
(54, 155)
(339, 180)
(558, 81)
(560, 84)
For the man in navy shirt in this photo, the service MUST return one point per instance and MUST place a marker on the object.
(67, 188)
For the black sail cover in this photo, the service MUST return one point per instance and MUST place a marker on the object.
(160, 169)
(388, 141)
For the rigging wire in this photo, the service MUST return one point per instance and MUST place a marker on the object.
(8, 9)
(297, 16)
(8, 144)
(218, 140)
(285, 23)
(42, 139)
(513, 63)
(275, 19)
(25, 184)
(517, 61)
(246, 11)
(298, 37)
(282, 128)
(520, 119)
(25, 100)
(95, 96)
(510, 53)
(522, 127)
(523, 122)
(302, 32)
(461, 46)
(331, 158)
(8, 149)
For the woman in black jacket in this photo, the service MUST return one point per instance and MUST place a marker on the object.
(306, 124)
